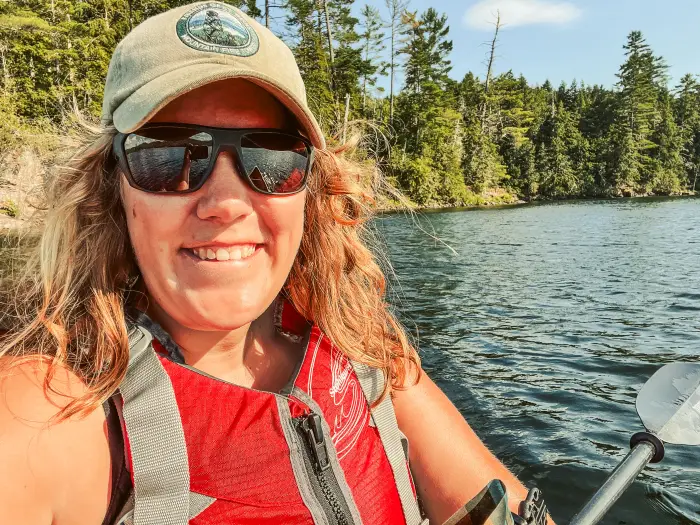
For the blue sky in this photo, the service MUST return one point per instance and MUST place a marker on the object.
(561, 40)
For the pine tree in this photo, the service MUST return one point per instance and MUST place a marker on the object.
(348, 61)
(398, 26)
(641, 81)
(427, 67)
(481, 163)
(372, 39)
(431, 132)
(556, 143)
(667, 162)
(687, 111)
(308, 48)
(427, 51)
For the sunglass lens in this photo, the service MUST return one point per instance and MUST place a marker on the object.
(168, 159)
(275, 162)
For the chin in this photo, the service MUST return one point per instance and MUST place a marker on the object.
(222, 314)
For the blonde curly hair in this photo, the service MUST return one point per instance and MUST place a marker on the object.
(69, 305)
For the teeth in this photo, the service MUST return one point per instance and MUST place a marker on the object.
(234, 253)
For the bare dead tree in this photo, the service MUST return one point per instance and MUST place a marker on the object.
(489, 72)
(106, 12)
(345, 119)
(492, 54)
(131, 14)
(5, 72)
(329, 34)
(267, 12)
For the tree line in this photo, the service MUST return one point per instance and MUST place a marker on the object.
(448, 142)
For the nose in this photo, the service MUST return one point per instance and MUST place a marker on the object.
(225, 197)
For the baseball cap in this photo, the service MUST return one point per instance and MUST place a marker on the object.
(187, 47)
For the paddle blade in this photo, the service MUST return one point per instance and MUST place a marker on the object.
(669, 404)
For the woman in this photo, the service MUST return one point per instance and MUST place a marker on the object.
(202, 276)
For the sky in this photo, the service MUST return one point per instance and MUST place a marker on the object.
(562, 40)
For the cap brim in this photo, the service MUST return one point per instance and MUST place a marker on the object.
(150, 98)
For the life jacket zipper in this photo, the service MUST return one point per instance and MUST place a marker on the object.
(323, 480)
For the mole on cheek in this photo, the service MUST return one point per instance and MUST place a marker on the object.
(133, 211)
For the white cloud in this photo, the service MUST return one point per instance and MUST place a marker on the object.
(482, 15)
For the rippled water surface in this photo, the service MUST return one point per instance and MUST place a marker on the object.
(545, 324)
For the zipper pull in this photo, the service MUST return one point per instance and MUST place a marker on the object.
(313, 429)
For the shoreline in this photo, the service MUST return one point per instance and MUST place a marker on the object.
(537, 202)
(14, 225)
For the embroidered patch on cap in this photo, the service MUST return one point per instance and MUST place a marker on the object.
(217, 28)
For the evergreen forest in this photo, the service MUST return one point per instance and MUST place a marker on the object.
(442, 141)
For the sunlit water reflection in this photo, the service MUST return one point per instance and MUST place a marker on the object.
(545, 324)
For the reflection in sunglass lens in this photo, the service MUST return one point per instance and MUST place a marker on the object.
(168, 159)
(274, 162)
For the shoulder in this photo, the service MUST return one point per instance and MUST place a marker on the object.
(420, 395)
(51, 471)
(431, 421)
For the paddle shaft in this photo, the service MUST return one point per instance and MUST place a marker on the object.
(621, 478)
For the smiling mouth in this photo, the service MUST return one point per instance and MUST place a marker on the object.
(224, 253)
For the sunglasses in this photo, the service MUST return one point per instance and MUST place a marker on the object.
(179, 158)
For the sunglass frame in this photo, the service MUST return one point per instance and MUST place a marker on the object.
(224, 139)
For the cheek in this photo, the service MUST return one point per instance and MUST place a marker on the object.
(153, 228)
(285, 221)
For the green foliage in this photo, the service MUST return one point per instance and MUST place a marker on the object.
(642, 84)
(10, 126)
(450, 143)
(559, 154)
(312, 59)
(434, 177)
(483, 167)
(10, 208)
(687, 111)
(349, 64)
(54, 54)
(425, 98)
(667, 163)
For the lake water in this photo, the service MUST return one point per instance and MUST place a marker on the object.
(543, 326)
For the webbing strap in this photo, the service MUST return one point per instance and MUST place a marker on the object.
(157, 440)
(198, 504)
(372, 383)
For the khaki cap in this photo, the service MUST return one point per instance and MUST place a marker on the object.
(193, 45)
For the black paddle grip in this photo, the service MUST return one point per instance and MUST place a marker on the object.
(649, 438)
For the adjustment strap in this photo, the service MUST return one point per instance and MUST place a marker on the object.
(156, 437)
(372, 383)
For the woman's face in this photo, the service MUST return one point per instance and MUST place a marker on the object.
(261, 233)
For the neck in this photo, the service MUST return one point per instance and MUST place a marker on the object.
(253, 355)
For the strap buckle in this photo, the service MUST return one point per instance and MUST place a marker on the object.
(533, 510)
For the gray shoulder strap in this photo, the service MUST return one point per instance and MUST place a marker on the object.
(372, 383)
(156, 438)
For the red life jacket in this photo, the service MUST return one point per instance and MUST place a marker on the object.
(204, 451)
